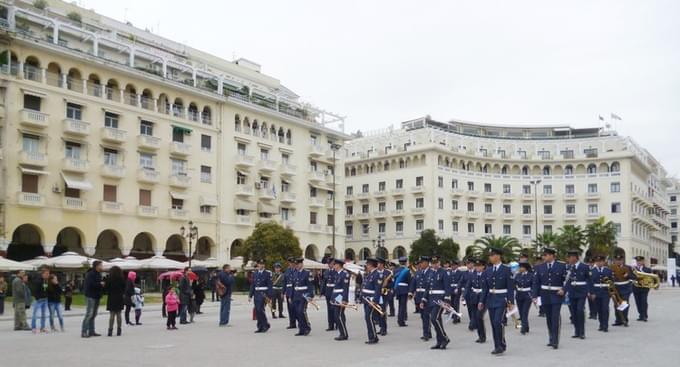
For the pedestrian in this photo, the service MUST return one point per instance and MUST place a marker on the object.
(19, 300)
(199, 294)
(3, 293)
(115, 288)
(673, 280)
(68, 295)
(171, 305)
(165, 286)
(93, 293)
(223, 285)
(40, 304)
(138, 302)
(54, 292)
(185, 296)
(212, 282)
(128, 294)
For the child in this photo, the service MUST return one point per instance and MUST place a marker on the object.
(138, 302)
(171, 305)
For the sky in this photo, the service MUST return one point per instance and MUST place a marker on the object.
(383, 62)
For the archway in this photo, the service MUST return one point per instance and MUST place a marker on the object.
(328, 252)
(364, 253)
(204, 247)
(142, 246)
(174, 248)
(68, 239)
(311, 252)
(349, 254)
(26, 243)
(381, 252)
(108, 245)
(398, 252)
(235, 248)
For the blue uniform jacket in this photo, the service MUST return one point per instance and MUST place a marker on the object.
(340, 291)
(402, 280)
(328, 283)
(371, 286)
(546, 283)
(524, 282)
(261, 285)
(438, 287)
(577, 283)
(418, 285)
(456, 275)
(465, 278)
(596, 284)
(288, 278)
(302, 287)
(473, 288)
(498, 288)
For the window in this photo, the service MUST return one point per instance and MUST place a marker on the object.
(471, 207)
(571, 209)
(32, 102)
(365, 208)
(330, 220)
(312, 191)
(592, 209)
(506, 189)
(312, 217)
(206, 143)
(454, 204)
(525, 169)
(364, 188)
(507, 229)
(419, 181)
(674, 224)
(349, 210)
(71, 193)
(29, 183)
(454, 184)
(592, 188)
(110, 193)
(146, 128)
(349, 229)
(179, 167)
(567, 154)
(241, 178)
(399, 184)
(487, 208)
(546, 169)
(381, 206)
(206, 174)
(507, 209)
(440, 181)
(616, 187)
(526, 230)
(569, 170)
(526, 189)
(144, 197)
(547, 209)
(111, 120)
(547, 229)
(592, 168)
(264, 155)
(110, 157)
(420, 202)
(569, 189)
(284, 158)
(674, 198)
(205, 209)
(74, 111)
(440, 203)
(178, 134)
(471, 228)
(523, 155)
(419, 225)
(471, 186)
(454, 226)
(616, 207)
(30, 143)
(241, 149)
(440, 225)
(526, 209)
(381, 228)
(399, 204)
(350, 190)
(146, 161)
(399, 227)
(488, 228)
(547, 189)
(72, 150)
(617, 228)
(381, 186)
(487, 187)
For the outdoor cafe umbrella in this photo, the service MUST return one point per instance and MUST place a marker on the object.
(176, 275)
(36, 261)
(10, 265)
(128, 263)
(207, 263)
(71, 260)
(161, 263)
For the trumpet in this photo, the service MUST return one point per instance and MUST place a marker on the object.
(449, 309)
(353, 306)
(374, 306)
(311, 302)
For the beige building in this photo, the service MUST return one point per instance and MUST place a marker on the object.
(467, 180)
(113, 138)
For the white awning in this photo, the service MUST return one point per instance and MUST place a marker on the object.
(178, 195)
(240, 204)
(33, 171)
(267, 208)
(33, 93)
(76, 183)
(320, 187)
(208, 200)
(242, 173)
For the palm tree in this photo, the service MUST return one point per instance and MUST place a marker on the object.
(545, 239)
(601, 237)
(570, 238)
(509, 245)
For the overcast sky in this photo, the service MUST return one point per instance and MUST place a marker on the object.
(383, 62)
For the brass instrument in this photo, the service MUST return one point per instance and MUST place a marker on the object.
(513, 311)
(376, 307)
(311, 302)
(268, 302)
(353, 306)
(449, 310)
(620, 303)
(646, 280)
(385, 289)
(412, 268)
(620, 272)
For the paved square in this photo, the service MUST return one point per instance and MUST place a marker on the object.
(205, 344)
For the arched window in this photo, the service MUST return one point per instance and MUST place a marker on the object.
(615, 167)
(504, 170)
(569, 170)
(237, 123)
(546, 171)
(592, 168)
(525, 171)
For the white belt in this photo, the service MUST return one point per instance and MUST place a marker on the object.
(420, 289)
(330, 285)
(523, 289)
(402, 284)
(551, 288)
(368, 291)
(289, 285)
(300, 288)
(578, 283)
(498, 291)
(601, 285)
(622, 283)
(261, 288)
(277, 288)
(476, 290)
(437, 291)
(337, 290)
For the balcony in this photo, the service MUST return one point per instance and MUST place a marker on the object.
(473, 215)
(266, 194)
(526, 196)
(112, 171)
(30, 199)
(267, 166)
(243, 220)
(417, 189)
(179, 180)
(287, 223)
(316, 150)
(147, 176)
(287, 197)
(508, 216)
(329, 205)
(398, 191)
(244, 161)
(397, 213)
(74, 204)
(34, 119)
(528, 217)
(379, 194)
(114, 135)
(287, 169)
(178, 148)
(472, 194)
(316, 202)
(363, 215)
(75, 165)
(418, 211)
(32, 158)
(316, 228)
(457, 213)
(593, 215)
(507, 196)
(148, 142)
(548, 197)
(110, 207)
(399, 234)
(570, 217)
(570, 196)
(147, 211)
(490, 216)
(593, 195)
(489, 195)
(363, 195)
(244, 190)
(316, 176)
(76, 127)
(548, 217)
(178, 214)
(379, 214)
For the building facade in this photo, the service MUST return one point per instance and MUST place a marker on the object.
(673, 196)
(467, 180)
(113, 138)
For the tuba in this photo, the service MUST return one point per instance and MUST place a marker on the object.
(646, 280)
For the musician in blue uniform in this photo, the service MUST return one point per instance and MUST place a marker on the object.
(598, 291)
(402, 280)
(288, 278)
(417, 291)
(465, 278)
(549, 280)
(623, 279)
(455, 289)
(385, 278)
(389, 297)
(327, 286)
(641, 293)
(592, 307)
(498, 295)
(340, 296)
(303, 292)
(278, 285)
(524, 282)
(371, 287)
(577, 291)
(438, 290)
(473, 293)
(261, 293)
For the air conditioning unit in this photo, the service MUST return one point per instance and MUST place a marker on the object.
(56, 189)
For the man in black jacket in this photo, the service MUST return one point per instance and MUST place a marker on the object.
(185, 295)
(93, 293)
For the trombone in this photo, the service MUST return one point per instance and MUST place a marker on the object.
(374, 306)
(449, 310)
(311, 302)
(353, 306)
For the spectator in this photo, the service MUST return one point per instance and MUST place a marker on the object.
(129, 293)
(138, 301)
(673, 280)
(54, 292)
(199, 294)
(185, 296)
(19, 300)
(171, 304)
(40, 304)
(166, 287)
(68, 295)
(115, 287)
(212, 282)
(93, 293)
(223, 285)
(3, 293)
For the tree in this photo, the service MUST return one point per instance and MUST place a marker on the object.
(601, 237)
(430, 245)
(570, 238)
(509, 245)
(449, 249)
(271, 242)
(545, 239)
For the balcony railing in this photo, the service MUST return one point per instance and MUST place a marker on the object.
(32, 158)
(179, 214)
(244, 160)
(180, 148)
(243, 220)
(287, 169)
(111, 207)
(34, 118)
(147, 211)
(76, 127)
(74, 203)
(76, 165)
(180, 180)
(148, 141)
(114, 135)
(30, 199)
(113, 171)
(147, 175)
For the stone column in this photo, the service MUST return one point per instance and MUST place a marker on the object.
(43, 75)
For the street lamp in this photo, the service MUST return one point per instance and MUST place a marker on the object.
(535, 183)
(190, 233)
(378, 243)
(334, 149)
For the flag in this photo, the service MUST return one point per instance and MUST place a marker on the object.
(600, 118)
(615, 116)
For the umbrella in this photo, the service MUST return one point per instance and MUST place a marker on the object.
(207, 263)
(72, 260)
(37, 261)
(160, 263)
(10, 265)
(128, 263)
(311, 264)
(176, 275)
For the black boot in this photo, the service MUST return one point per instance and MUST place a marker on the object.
(119, 331)
(110, 332)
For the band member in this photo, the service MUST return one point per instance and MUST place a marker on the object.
(465, 279)
(385, 278)
(598, 291)
(538, 261)
(340, 295)
(327, 286)
(549, 281)
(277, 286)
(592, 307)
(402, 276)
(455, 289)
(417, 291)
(370, 293)
(389, 297)
(523, 257)
(261, 293)
(577, 290)
(303, 292)
(498, 296)
(288, 278)
(524, 281)
(641, 293)
(438, 290)
(473, 293)
(623, 279)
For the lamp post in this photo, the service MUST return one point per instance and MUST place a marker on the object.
(190, 233)
(378, 243)
(334, 149)
(535, 183)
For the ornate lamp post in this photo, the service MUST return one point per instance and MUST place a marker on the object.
(191, 234)
(535, 184)
(378, 244)
(334, 149)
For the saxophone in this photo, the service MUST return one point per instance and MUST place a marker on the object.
(385, 289)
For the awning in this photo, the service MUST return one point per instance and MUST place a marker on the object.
(76, 183)
(178, 195)
(240, 204)
(242, 173)
(33, 93)
(267, 208)
(320, 187)
(33, 171)
(181, 129)
(208, 200)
